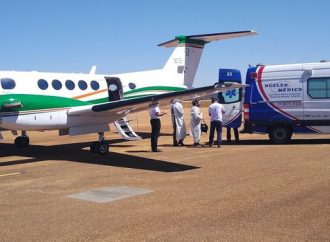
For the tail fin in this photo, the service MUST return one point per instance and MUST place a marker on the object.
(182, 65)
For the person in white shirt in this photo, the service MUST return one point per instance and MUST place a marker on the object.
(215, 112)
(195, 122)
(155, 115)
(178, 122)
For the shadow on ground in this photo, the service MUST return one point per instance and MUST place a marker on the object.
(292, 142)
(77, 153)
(258, 142)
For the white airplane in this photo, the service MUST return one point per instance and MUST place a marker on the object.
(77, 104)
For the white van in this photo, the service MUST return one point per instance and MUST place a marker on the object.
(285, 99)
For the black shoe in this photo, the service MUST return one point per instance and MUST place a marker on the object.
(157, 150)
(181, 143)
(219, 145)
(175, 144)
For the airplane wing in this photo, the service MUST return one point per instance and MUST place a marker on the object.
(115, 110)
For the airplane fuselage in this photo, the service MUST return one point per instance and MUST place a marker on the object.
(40, 100)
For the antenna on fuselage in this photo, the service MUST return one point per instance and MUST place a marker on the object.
(93, 70)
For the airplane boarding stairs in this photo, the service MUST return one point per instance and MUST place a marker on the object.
(125, 130)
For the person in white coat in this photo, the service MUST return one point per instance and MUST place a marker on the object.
(196, 118)
(175, 142)
(178, 121)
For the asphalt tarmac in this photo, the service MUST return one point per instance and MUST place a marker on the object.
(253, 191)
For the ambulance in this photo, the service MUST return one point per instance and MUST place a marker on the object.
(281, 100)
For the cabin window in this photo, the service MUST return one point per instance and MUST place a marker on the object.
(132, 85)
(70, 85)
(95, 85)
(57, 85)
(318, 88)
(82, 85)
(42, 84)
(7, 83)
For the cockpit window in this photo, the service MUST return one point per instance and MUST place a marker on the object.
(7, 83)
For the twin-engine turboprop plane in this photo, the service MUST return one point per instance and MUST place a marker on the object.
(77, 104)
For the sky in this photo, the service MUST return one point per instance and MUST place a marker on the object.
(122, 36)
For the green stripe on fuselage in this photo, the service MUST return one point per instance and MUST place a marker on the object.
(35, 102)
(139, 92)
(155, 88)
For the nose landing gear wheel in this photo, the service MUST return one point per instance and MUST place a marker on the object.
(22, 141)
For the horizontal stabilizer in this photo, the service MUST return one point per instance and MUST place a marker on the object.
(206, 38)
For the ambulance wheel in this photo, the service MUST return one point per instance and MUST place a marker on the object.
(280, 134)
(22, 141)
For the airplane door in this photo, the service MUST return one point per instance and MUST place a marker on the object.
(115, 88)
(115, 92)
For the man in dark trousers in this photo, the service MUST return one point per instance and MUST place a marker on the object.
(235, 133)
(215, 112)
(155, 115)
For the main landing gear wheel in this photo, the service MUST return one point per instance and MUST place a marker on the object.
(100, 147)
(22, 141)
